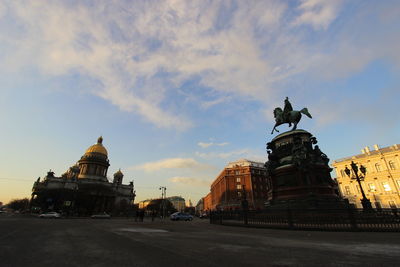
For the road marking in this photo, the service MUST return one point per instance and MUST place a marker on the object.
(143, 230)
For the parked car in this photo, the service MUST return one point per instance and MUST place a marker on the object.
(51, 214)
(101, 216)
(180, 216)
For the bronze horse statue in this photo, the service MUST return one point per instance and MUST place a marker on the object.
(292, 116)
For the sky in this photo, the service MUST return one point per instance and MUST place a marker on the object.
(178, 89)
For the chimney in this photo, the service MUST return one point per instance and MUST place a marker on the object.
(366, 149)
(376, 147)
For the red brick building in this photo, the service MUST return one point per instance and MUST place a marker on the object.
(238, 178)
(207, 202)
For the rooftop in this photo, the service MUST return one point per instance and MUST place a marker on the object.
(244, 162)
(366, 152)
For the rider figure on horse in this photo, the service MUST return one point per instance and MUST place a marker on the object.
(288, 115)
(286, 111)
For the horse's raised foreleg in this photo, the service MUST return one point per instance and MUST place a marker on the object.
(274, 129)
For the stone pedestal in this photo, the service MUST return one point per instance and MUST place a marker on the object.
(299, 174)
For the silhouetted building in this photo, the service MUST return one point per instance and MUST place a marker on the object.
(84, 189)
(178, 202)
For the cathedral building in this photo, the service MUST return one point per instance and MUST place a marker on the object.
(84, 189)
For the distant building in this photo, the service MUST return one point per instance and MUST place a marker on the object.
(178, 202)
(207, 202)
(382, 180)
(199, 209)
(144, 203)
(84, 189)
(242, 179)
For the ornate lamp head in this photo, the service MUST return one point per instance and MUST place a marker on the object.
(354, 167)
(347, 171)
(363, 170)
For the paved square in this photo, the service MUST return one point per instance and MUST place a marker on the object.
(26, 241)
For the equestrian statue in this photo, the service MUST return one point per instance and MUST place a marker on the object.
(288, 115)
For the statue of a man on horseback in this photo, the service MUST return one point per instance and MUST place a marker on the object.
(288, 115)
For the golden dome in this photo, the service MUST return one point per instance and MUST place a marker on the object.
(97, 148)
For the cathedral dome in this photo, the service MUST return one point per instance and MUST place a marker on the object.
(97, 148)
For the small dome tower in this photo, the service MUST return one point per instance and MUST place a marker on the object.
(118, 177)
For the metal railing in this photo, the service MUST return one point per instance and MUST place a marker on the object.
(313, 219)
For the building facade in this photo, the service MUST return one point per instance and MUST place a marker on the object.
(207, 203)
(178, 202)
(84, 189)
(239, 180)
(382, 180)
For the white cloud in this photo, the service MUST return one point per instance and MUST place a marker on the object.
(140, 54)
(235, 154)
(318, 13)
(189, 181)
(172, 163)
(206, 145)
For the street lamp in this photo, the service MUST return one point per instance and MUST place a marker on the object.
(163, 196)
(364, 201)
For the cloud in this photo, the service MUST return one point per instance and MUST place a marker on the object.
(189, 181)
(140, 55)
(206, 145)
(172, 163)
(208, 104)
(235, 154)
(318, 13)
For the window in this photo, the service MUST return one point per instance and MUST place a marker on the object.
(238, 179)
(237, 172)
(392, 205)
(239, 186)
(255, 186)
(392, 165)
(386, 186)
(342, 173)
(358, 188)
(372, 187)
(239, 194)
(347, 189)
(378, 167)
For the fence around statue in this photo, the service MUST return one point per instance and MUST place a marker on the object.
(312, 219)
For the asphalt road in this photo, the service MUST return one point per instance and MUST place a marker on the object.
(26, 241)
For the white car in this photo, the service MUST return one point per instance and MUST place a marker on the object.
(180, 216)
(51, 214)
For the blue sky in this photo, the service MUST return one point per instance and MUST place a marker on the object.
(180, 88)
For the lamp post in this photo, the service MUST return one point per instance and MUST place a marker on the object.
(163, 196)
(365, 202)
